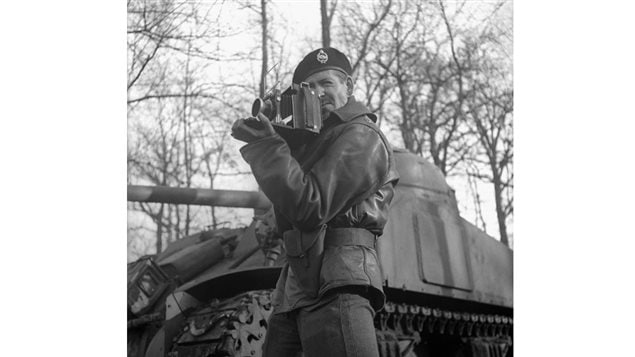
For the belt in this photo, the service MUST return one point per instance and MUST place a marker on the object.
(350, 236)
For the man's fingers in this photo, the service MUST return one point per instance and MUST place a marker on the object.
(263, 119)
(237, 123)
(251, 128)
(246, 129)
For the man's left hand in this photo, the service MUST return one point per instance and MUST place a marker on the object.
(252, 129)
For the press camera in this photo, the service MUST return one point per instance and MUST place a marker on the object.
(294, 113)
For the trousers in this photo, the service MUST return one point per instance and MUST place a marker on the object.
(340, 326)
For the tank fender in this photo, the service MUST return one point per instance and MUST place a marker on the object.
(177, 304)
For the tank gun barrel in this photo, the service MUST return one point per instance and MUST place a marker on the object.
(198, 196)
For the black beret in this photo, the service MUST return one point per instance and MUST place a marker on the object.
(320, 60)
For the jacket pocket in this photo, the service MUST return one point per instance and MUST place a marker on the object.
(343, 265)
(305, 251)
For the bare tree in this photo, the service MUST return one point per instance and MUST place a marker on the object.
(424, 71)
(357, 35)
(491, 115)
(428, 84)
(406, 76)
(212, 139)
(326, 19)
(169, 98)
(154, 161)
(265, 47)
(160, 29)
(359, 28)
(187, 151)
(473, 173)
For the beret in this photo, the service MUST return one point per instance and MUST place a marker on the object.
(320, 60)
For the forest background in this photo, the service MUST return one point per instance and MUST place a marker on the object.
(437, 73)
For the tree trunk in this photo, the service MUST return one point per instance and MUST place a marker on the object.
(406, 125)
(263, 70)
(186, 154)
(500, 210)
(326, 25)
(213, 208)
(159, 235)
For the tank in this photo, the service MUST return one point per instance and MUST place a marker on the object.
(449, 285)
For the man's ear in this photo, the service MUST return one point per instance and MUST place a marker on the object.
(349, 85)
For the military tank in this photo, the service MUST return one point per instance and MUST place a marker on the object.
(448, 284)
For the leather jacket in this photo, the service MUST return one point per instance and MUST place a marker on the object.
(344, 178)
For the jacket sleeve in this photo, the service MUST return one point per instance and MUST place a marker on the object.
(354, 165)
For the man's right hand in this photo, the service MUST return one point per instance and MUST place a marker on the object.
(252, 129)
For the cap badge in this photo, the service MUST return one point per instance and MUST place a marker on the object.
(322, 57)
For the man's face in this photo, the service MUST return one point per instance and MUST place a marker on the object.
(332, 89)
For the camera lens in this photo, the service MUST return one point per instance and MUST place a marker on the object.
(256, 107)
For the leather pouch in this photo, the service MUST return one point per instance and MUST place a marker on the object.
(304, 255)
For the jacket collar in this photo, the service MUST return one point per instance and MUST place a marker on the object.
(351, 110)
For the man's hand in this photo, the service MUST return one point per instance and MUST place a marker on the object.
(252, 129)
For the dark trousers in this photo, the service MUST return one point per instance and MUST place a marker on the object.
(342, 325)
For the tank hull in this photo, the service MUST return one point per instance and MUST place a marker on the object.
(449, 285)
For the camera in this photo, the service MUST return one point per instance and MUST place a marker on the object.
(294, 113)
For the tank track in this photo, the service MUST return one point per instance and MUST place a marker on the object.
(403, 329)
(237, 326)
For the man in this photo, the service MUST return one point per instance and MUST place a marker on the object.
(337, 186)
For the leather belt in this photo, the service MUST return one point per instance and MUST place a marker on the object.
(350, 236)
